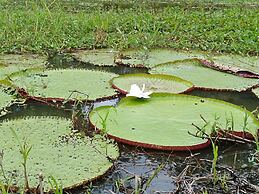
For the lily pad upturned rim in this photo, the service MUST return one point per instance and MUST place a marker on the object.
(23, 93)
(159, 76)
(160, 147)
(203, 63)
(152, 146)
(240, 72)
(241, 134)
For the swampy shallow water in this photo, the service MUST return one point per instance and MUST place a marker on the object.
(136, 162)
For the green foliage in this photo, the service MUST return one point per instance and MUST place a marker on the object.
(24, 151)
(55, 25)
(214, 162)
(55, 186)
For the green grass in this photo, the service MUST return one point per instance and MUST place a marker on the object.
(58, 25)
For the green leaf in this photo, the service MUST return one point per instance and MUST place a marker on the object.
(204, 77)
(5, 101)
(165, 120)
(99, 57)
(237, 63)
(67, 83)
(55, 152)
(10, 63)
(150, 58)
(153, 82)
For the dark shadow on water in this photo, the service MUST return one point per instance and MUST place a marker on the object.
(63, 61)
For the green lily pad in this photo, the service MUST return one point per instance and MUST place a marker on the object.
(204, 77)
(70, 158)
(153, 82)
(10, 63)
(237, 63)
(67, 83)
(164, 120)
(150, 58)
(99, 57)
(5, 101)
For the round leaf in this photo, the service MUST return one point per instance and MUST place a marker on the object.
(67, 83)
(165, 120)
(204, 77)
(153, 82)
(71, 159)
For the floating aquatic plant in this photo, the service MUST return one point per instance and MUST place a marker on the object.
(153, 82)
(12, 63)
(165, 121)
(66, 84)
(55, 152)
(5, 101)
(242, 65)
(203, 77)
(152, 57)
(101, 57)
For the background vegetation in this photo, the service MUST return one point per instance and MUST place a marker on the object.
(54, 25)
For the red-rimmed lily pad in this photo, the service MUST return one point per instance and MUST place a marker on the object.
(71, 158)
(153, 82)
(201, 76)
(165, 120)
(66, 84)
(246, 66)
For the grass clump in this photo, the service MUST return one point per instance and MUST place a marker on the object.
(57, 25)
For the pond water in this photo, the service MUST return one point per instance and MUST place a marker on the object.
(137, 162)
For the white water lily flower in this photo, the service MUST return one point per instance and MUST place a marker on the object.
(137, 92)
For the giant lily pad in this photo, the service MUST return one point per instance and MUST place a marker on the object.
(96, 57)
(10, 63)
(62, 84)
(204, 77)
(164, 120)
(5, 100)
(71, 159)
(150, 58)
(153, 82)
(236, 63)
